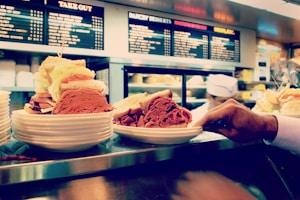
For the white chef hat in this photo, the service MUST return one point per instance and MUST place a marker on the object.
(221, 85)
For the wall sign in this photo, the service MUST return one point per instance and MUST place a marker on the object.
(162, 36)
(55, 23)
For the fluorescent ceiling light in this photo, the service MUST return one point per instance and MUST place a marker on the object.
(280, 7)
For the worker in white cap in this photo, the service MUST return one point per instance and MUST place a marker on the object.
(219, 88)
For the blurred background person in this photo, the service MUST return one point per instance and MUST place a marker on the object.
(219, 88)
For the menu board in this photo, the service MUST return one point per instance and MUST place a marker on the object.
(162, 36)
(21, 23)
(190, 40)
(54, 23)
(149, 34)
(81, 26)
(225, 44)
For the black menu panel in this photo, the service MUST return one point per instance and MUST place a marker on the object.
(149, 34)
(162, 36)
(225, 44)
(75, 25)
(21, 23)
(190, 40)
(53, 23)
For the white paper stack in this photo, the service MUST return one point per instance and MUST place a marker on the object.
(5, 123)
(7, 73)
(24, 79)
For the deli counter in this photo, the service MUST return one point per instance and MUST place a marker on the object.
(120, 168)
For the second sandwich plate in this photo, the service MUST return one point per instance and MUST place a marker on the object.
(158, 135)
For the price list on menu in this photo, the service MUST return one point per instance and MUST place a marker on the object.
(162, 36)
(149, 34)
(54, 23)
(190, 40)
(225, 45)
(75, 29)
(21, 24)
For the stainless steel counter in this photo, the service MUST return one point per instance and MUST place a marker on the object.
(112, 154)
(122, 169)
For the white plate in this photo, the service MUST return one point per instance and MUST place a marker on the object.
(4, 121)
(5, 134)
(4, 127)
(61, 120)
(93, 127)
(49, 117)
(70, 132)
(64, 147)
(158, 135)
(61, 139)
(4, 111)
(5, 139)
(59, 135)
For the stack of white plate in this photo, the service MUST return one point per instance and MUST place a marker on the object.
(69, 133)
(5, 127)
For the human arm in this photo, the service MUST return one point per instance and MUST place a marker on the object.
(238, 123)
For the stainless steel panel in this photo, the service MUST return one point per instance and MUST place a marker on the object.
(113, 154)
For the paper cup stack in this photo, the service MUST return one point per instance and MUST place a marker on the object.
(5, 127)
(68, 133)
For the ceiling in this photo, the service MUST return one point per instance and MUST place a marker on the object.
(268, 25)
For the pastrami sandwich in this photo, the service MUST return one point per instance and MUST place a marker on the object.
(128, 111)
(162, 112)
(67, 76)
(82, 100)
(59, 75)
(43, 78)
(40, 103)
(157, 110)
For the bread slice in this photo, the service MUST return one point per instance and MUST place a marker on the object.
(130, 104)
(164, 93)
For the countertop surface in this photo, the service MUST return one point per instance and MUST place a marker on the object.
(124, 169)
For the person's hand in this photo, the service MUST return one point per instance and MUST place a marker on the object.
(239, 123)
(209, 185)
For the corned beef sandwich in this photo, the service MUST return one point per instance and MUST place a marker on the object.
(59, 75)
(82, 100)
(157, 110)
(40, 103)
(162, 112)
(128, 111)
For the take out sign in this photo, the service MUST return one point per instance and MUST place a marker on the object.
(75, 6)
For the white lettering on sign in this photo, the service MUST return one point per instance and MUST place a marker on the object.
(75, 6)
(149, 18)
(138, 16)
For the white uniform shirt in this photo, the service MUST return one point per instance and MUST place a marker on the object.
(288, 135)
(199, 112)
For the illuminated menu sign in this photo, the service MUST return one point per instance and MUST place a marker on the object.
(225, 44)
(161, 36)
(190, 40)
(149, 34)
(21, 24)
(75, 25)
(56, 23)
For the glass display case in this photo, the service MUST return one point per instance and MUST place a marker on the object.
(188, 85)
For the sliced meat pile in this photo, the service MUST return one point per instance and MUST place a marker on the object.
(163, 112)
(82, 100)
(129, 118)
(41, 103)
(156, 111)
